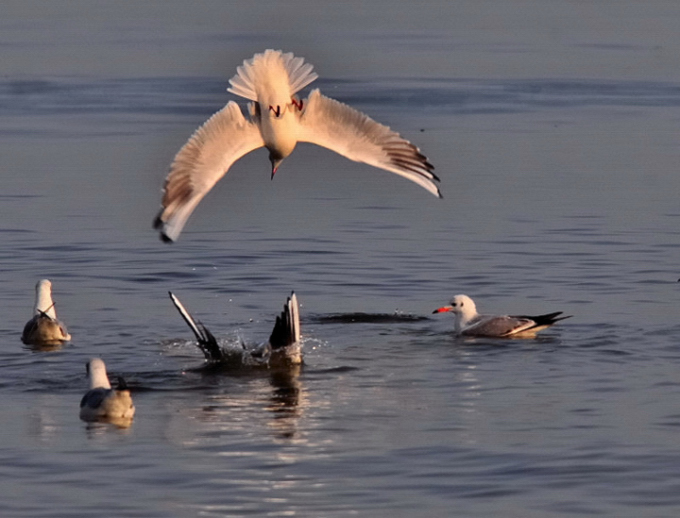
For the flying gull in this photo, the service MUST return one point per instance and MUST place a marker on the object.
(278, 121)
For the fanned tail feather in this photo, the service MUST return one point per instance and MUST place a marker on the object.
(262, 68)
(299, 73)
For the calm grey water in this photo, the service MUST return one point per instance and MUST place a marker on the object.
(553, 126)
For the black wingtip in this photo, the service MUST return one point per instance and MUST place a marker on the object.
(157, 221)
(208, 344)
(158, 224)
(550, 318)
(283, 333)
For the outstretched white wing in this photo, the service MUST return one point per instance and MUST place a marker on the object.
(202, 161)
(336, 126)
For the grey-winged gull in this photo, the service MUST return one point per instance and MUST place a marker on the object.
(470, 323)
(102, 402)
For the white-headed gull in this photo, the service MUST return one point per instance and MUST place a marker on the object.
(44, 329)
(471, 323)
(102, 402)
(278, 121)
(282, 349)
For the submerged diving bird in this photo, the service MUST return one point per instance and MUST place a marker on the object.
(278, 121)
(470, 323)
(102, 401)
(283, 348)
(44, 329)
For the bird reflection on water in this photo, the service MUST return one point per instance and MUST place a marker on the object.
(279, 359)
(246, 396)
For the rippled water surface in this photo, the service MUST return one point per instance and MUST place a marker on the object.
(554, 131)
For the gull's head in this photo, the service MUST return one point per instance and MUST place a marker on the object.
(96, 369)
(43, 286)
(43, 299)
(459, 305)
(275, 158)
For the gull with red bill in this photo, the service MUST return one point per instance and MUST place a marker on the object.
(278, 121)
(470, 323)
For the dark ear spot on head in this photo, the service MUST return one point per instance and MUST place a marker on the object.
(461, 304)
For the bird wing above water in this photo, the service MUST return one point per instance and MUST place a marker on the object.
(202, 161)
(340, 128)
(207, 342)
(283, 347)
(287, 327)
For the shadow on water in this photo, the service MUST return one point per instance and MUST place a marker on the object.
(366, 318)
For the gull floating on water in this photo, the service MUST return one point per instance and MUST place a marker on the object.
(282, 349)
(44, 329)
(102, 401)
(471, 323)
(278, 121)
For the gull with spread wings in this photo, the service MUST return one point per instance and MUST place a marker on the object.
(278, 121)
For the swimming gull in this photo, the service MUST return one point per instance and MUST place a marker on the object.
(102, 402)
(470, 323)
(44, 328)
(282, 349)
(278, 121)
